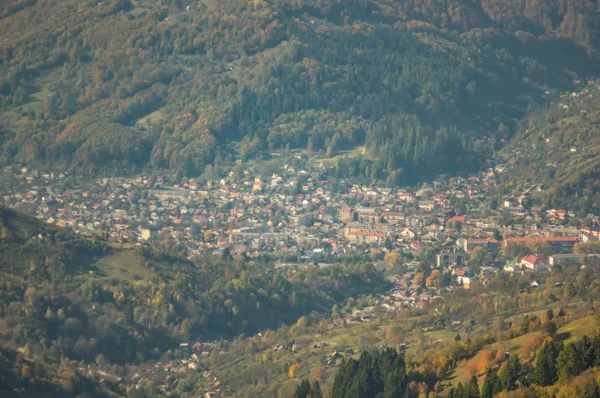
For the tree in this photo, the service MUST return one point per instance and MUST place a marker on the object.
(293, 370)
(531, 346)
(378, 374)
(303, 389)
(549, 328)
(485, 359)
(509, 373)
(27, 351)
(208, 235)
(545, 372)
(540, 248)
(516, 250)
(587, 248)
(472, 388)
(570, 362)
(419, 279)
(433, 280)
(6, 234)
(392, 260)
(491, 385)
(477, 256)
(26, 372)
(315, 390)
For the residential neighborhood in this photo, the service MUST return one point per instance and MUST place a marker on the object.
(295, 216)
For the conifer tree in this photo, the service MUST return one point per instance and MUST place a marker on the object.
(491, 385)
(509, 373)
(545, 372)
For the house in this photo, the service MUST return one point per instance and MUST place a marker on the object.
(406, 197)
(534, 262)
(427, 205)
(464, 281)
(460, 219)
(333, 358)
(147, 234)
(407, 234)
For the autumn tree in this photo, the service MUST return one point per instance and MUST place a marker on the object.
(419, 278)
(293, 370)
(485, 359)
(393, 259)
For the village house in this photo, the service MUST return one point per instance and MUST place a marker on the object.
(534, 262)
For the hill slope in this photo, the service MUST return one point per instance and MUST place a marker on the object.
(170, 85)
(557, 150)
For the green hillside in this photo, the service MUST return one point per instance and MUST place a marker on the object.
(424, 85)
(557, 152)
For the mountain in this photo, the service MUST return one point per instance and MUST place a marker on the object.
(556, 151)
(425, 86)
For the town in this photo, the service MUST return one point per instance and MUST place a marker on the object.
(295, 216)
(464, 229)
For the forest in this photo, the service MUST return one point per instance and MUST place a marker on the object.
(424, 87)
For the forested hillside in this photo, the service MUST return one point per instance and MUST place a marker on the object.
(425, 86)
(64, 298)
(557, 152)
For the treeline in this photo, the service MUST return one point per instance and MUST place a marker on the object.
(378, 374)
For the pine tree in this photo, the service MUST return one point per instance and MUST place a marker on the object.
(315, 391)
(596, 351)
(545, 372)
(569, 362)
(302, 390)
(509, 373)
(491, 385)
(472, 389)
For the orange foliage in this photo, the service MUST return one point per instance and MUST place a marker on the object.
(531, 346)
(484, 360)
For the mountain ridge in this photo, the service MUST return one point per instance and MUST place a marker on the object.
(132, 83)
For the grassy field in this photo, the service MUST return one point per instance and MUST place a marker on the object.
(151, 117)
(123, 265)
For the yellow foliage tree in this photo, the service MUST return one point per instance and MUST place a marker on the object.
(419, 278)
(293, 371)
